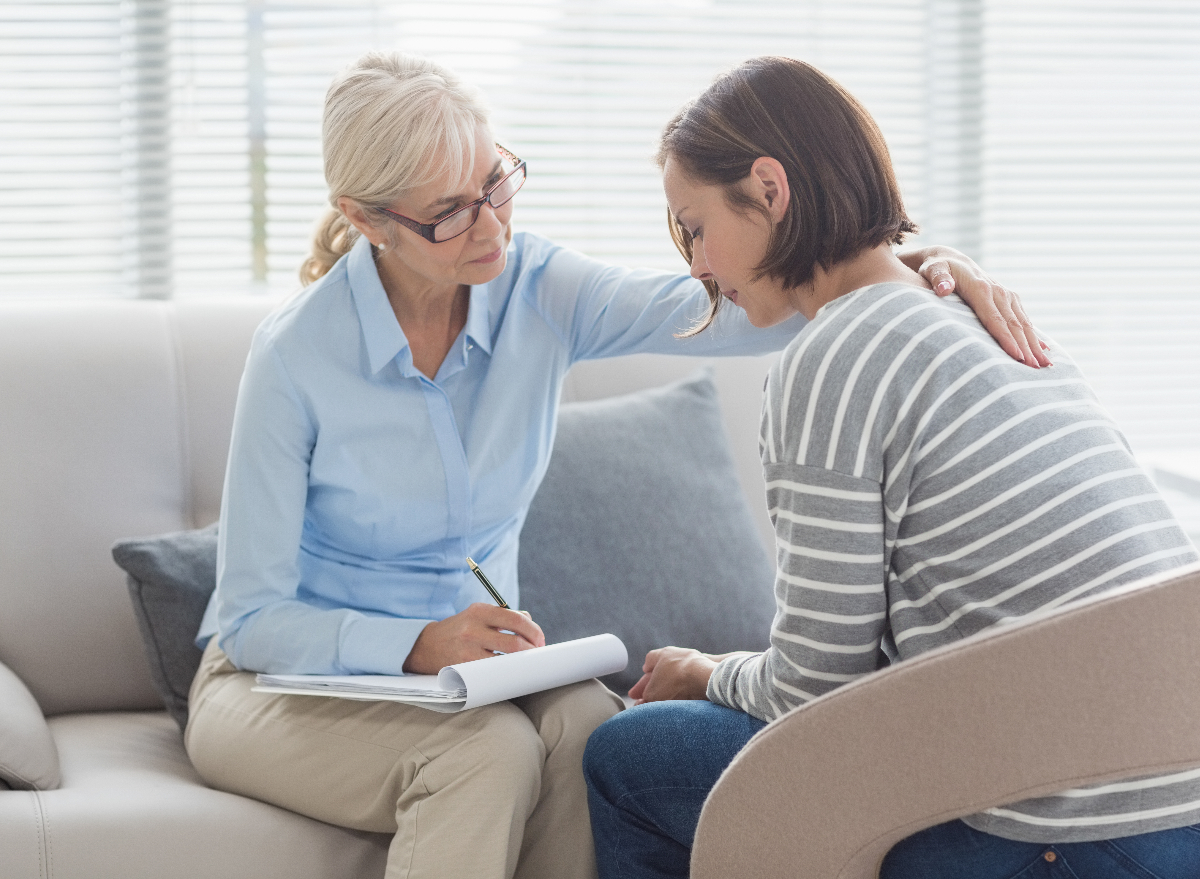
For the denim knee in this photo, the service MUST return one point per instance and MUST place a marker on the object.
(606, 756)
(667, 743)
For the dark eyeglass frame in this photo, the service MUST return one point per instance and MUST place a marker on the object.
(427, 230)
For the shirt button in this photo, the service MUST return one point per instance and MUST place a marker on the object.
(470, 346)
(1050, 857)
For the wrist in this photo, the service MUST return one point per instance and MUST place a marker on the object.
(418, 662)
(699, 674)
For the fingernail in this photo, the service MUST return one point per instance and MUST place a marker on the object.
(943, 285)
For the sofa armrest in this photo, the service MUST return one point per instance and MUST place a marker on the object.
(1099, 690)
(28, 756)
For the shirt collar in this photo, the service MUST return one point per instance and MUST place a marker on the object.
(384, 338)
(380, 328)
(479, 318)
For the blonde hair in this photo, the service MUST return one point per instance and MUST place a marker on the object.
(392, 123)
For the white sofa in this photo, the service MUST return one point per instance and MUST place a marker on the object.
(114, 422)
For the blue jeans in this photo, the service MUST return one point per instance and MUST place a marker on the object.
(649, 770)
(955, 851)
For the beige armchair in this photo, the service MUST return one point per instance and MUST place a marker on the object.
(1099, 690)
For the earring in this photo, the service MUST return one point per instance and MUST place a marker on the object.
(381, 246)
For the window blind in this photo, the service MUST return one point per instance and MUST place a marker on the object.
(172, 147)
(60, 148)
(580, 91)
(211, 214)
(1091, 195)
(123, 147)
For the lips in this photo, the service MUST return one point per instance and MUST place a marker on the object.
(731, 295)
(491, 257)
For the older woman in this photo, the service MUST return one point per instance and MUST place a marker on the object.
(922, 485)
(393, 419)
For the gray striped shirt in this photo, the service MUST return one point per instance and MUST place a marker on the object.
(924, 487)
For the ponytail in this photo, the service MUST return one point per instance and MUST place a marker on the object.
(333, 239)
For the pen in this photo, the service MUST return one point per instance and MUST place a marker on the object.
(487, 584)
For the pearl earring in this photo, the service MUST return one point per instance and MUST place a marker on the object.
(381, 246)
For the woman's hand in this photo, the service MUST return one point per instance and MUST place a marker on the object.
(673, 673)
(480, 631)
(998, 308)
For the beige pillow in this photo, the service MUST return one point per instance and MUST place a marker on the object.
(28, 757)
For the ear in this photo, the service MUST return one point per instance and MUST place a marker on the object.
(359, 220)
(768, 181)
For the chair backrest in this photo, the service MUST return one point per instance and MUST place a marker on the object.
(1098, 690)
(114, 422)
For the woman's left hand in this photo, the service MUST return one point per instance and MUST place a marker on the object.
(673, 673)
(998, 308)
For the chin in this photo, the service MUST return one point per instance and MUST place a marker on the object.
(765, 321)
(491, 271)
(757, 320)
(476, 273)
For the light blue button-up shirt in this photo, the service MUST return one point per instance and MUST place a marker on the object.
(357, 486)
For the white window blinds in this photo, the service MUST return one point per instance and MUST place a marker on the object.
(1091, 195)
(579, 90)
(60, 148)
(123, 147)
(172, 147)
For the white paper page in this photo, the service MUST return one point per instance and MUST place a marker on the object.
(455, 704)
(531, 671)
(416, 685)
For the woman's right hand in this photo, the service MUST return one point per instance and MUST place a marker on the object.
(674, 673)
(480, 631)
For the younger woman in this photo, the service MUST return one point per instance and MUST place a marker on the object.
(923, 487)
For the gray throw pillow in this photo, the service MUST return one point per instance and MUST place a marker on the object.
(640, 528)
(171, 577)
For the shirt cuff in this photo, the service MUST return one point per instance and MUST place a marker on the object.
(377, 645)
(724, 678)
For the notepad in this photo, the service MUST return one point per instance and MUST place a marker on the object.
(468, 685)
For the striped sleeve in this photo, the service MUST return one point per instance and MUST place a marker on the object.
(830, 603)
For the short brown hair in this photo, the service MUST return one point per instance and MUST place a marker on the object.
(844, 195)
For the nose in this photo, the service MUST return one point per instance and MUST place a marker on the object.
(699, 267)
(488, 224)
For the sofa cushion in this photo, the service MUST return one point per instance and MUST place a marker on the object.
(28, 757)
(171, 577)
(641, 528)
(131, 805)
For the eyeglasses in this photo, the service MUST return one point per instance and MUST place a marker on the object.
(458, 222)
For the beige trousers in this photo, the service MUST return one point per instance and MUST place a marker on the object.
(490, 793)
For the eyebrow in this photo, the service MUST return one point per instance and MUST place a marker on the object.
(452, 199)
